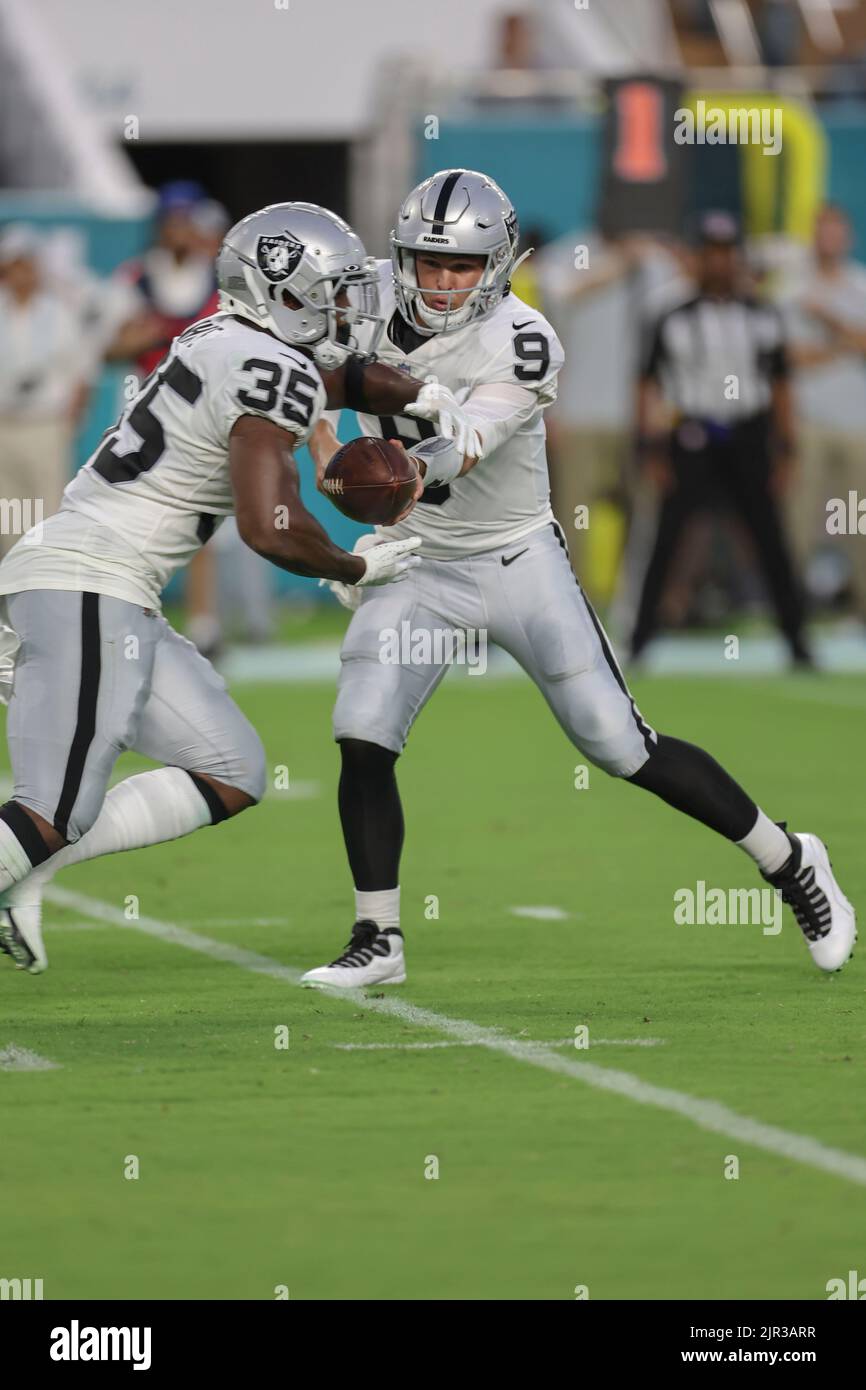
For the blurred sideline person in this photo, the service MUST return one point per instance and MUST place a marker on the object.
(99, 670)
(175, 285)
(600, 308)
(174, 280)
(826, 315)
(720, 363)
(494, 563)
(44, 382)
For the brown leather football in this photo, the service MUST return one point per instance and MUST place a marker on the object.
(370, 480)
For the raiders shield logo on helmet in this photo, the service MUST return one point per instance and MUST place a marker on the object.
(278, 255)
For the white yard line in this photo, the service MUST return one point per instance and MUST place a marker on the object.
(295, 791)
(541, 914)
(710, 1115)
(13, 1058)
(91, 925)
(233, 922)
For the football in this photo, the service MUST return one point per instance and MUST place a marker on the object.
(371, 480)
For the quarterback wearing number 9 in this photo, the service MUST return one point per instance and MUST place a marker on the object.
(494, 559)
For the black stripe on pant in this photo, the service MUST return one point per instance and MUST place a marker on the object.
(85, 725)
(648, 733)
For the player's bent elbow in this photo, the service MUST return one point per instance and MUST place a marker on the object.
(261, 536)
(272, 542)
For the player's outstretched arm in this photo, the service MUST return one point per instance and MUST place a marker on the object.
(373, 388)
(273, 521)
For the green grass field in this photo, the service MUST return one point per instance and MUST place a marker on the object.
(305, 1167)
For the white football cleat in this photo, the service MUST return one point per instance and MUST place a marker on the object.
(824, 914)
(21, 938)
(372, 957)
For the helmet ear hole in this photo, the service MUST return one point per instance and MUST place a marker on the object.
(289, 301)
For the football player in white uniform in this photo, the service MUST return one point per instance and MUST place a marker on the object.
(493, 559)
(213, 430)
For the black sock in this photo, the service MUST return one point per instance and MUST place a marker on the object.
(687, 778)
(371, 814)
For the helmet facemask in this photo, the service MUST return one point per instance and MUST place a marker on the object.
(358, 289)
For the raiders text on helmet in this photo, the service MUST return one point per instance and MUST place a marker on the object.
(454, 211)
(284, 267)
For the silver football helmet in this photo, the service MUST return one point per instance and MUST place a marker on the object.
(454, 211)
(284, 268)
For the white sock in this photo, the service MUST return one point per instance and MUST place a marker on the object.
(14, 863)
(767, 844)
(144, 810)
(382, 907)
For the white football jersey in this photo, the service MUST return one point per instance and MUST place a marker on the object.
(158, 485)
(507, 495)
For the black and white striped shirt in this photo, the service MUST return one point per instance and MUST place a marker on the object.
(716, 359)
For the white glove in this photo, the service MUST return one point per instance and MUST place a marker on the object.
(389, 561)
(349, 595)
(436, 403)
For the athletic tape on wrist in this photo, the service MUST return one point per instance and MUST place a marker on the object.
(443, 461)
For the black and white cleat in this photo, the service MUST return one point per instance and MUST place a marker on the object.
(24, 945)
(825, 916)
(372, 957)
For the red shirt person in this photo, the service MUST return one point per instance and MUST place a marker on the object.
(174, 281)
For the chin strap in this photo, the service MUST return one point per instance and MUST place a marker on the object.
(328, 354)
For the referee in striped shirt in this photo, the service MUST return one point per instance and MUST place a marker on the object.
(719, 360)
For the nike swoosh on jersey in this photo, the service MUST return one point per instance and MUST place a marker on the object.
(525, 324)
(511, 558)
